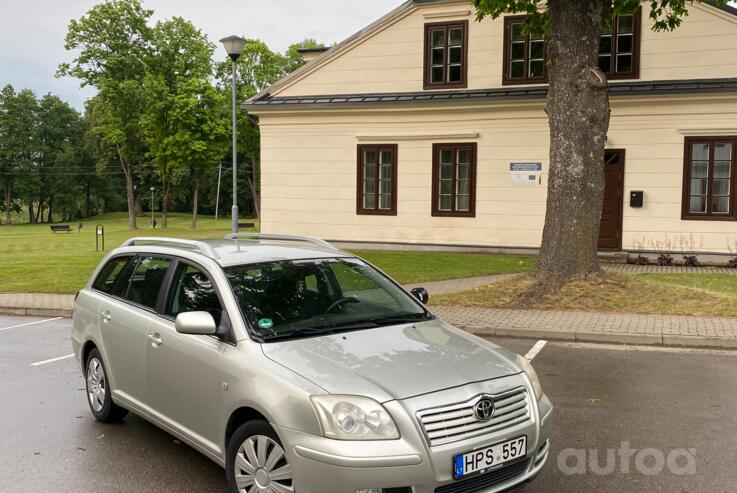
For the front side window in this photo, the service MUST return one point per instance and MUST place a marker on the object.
(192, 291)
(709, 178)
(454, 180)
(377, 179)
(446, 54)
(525, 55)
(145, 284)
(301, 298)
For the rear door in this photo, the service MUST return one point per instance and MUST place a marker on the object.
(184, 370)
(124, 318)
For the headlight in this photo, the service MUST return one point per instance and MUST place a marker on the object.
(532, 374)
(348, 417)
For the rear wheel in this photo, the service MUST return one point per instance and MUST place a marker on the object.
(98, 391)
(256, 461)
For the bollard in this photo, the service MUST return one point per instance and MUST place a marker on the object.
(99, 237)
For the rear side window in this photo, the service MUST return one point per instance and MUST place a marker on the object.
(146, 281)
(110, 274)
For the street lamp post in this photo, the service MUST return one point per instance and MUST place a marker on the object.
(234, 48)
(153, 225)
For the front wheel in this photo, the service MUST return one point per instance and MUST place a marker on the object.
(256, 462)
(98, 391)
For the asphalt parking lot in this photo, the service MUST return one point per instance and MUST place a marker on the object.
(607, 398)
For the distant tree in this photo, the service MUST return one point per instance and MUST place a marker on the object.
(200, 114)
(113, 42)
(18, 117)
(181, 54)
(578, 114)
(58, 130)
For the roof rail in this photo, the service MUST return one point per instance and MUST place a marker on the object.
(281, 237)
(200, 246)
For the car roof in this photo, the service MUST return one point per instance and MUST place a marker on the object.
(228, 252)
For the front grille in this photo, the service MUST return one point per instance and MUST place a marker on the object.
(455, 422)
(488, 480)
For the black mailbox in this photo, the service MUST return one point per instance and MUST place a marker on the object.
(637, 198)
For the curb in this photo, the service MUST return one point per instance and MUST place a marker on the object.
(665, 340)
(36, 312)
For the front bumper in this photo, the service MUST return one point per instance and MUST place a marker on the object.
(331, 466)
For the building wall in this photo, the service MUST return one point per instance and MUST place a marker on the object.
(391, 60)
(309, 170)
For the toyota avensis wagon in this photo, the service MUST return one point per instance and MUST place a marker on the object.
(299, 367)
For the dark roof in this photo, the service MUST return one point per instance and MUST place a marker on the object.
(727, 8)
(321, 49)
(697, 86)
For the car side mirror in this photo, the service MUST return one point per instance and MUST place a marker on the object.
(421, 294)
(196, 323)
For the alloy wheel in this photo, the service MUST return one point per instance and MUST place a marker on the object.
(261, 467)
(96, 385)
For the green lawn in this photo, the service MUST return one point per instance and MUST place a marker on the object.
(668, 294)
(34, 260)
(414, 267)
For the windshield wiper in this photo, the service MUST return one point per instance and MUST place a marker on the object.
(320, 331)
(405, 318)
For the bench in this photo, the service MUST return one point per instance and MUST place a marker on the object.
(60, 228)
(246, 225)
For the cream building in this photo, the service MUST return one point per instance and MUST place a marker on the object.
(427, 128)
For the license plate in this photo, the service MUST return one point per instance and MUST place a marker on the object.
(492, 457)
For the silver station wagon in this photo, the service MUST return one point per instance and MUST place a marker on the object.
(300, 367)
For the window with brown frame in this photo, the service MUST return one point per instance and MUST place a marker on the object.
(709, 178)
(377, 179)
(525, 55)
(446, 55)
(454, 180)
(619, 47)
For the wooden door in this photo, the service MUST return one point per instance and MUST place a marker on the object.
(610, 232)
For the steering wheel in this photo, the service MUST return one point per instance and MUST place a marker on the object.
(340, 302)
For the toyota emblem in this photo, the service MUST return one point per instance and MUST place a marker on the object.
(484, 409)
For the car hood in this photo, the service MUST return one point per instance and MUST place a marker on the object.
(395, 362)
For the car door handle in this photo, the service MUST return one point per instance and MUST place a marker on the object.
(106, 317)
(155, 340)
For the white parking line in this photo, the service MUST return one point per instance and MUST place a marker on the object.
(535, 350)
(52, 360)
(31, 323)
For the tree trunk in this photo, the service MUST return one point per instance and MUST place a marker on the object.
(38, 217)
(195, 199)
(165, 204)
(50, 215)
(8, 199)
(578, 113)
(31, 213)
(129, 191)
(87, 199)
(254, 193)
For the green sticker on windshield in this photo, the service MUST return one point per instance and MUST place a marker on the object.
(265, 323)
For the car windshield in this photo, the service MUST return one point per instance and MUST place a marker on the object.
(299, 298)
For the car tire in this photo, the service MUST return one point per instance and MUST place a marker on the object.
(99, 395)
(256, 456)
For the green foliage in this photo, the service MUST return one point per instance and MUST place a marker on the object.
(667, 15)
(182, 104)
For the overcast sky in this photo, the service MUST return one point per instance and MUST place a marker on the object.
(32, 31)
